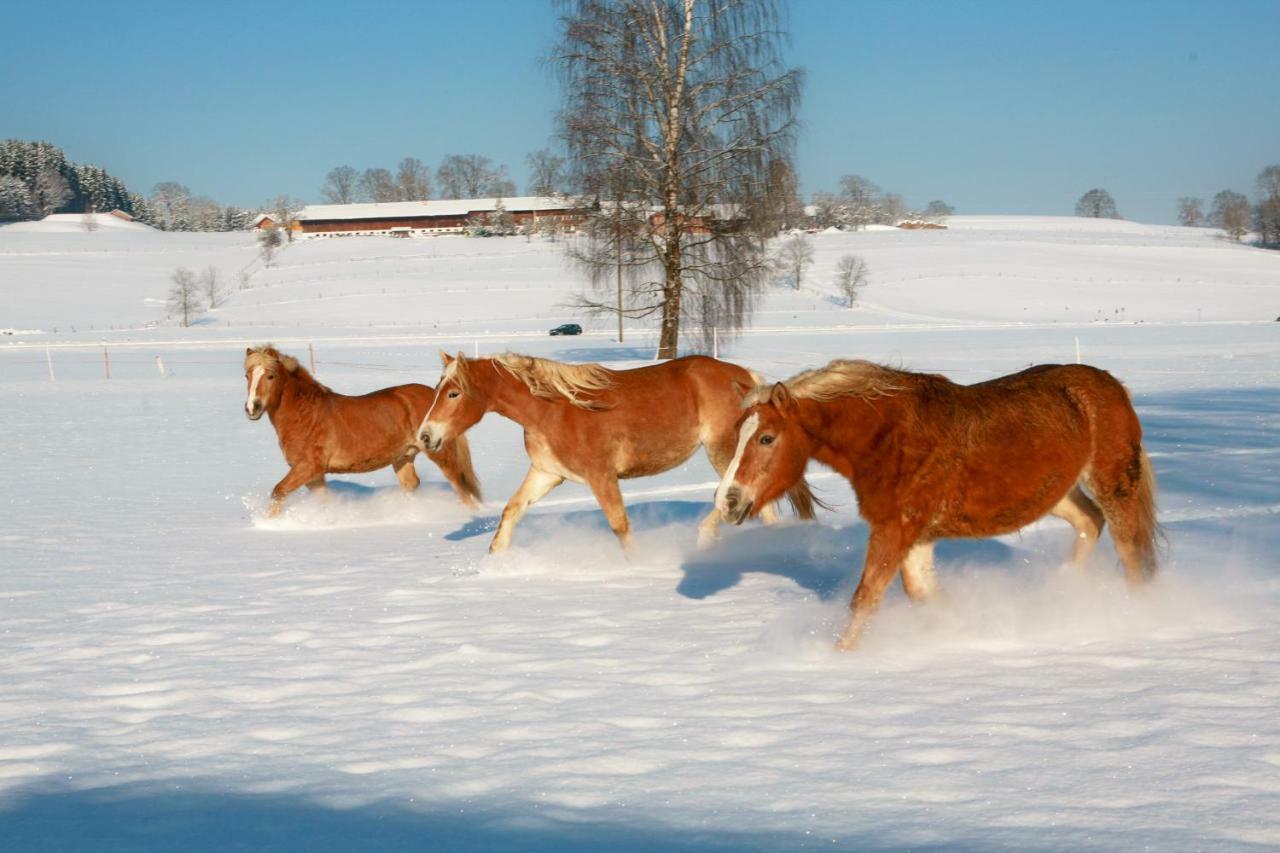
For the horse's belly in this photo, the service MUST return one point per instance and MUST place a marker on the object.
(646, 461)
(368, 458)
(991, 512)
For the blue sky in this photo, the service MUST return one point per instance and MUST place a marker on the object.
(994, 107)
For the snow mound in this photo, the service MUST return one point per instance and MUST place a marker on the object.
(62, 223)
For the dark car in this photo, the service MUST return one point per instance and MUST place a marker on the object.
(567, 329)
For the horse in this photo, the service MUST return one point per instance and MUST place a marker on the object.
(592, 425)
(929, 459)
(323, 432)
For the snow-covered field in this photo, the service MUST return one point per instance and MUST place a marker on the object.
(181, 673)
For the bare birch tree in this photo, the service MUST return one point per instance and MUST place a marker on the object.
(184, 296)
(679, 107)
(211, 286)
(851, 276)
(795, 255)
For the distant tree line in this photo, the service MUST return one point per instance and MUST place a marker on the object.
(37, 179)
(457, 176)
(1235, 214)
(172, 207)
(860, 202)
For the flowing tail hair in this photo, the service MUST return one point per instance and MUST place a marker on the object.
(1149, 538)
(454, 459)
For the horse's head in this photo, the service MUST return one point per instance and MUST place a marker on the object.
(456, 408)
(263, 371)
(773, 450)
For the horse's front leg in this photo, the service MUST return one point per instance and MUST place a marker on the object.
(535, 486)
(885, 551)
(298, 476)
(609, 494)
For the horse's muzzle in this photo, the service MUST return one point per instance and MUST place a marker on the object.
(253, 414)
(736, 510)
(429, 442)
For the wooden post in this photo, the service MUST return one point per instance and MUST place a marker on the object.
(1077, 349)
(715, 341)
(49, 358)
(106, 363)
(160, 366)
(311, 356)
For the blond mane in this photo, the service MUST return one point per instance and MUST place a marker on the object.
(863, 380)
(545, 379)
(267, 356)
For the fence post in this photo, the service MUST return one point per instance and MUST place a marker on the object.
(49, 358)
(160, 366)
(311, 357)
(1077, 349)
(106, 363)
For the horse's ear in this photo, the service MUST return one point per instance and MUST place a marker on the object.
(742, 389)
(781, 397)
(248, 351)
(445, 358)
(461, 358)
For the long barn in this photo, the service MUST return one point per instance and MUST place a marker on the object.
(420, 218)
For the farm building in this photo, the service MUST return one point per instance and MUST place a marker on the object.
(417, 218)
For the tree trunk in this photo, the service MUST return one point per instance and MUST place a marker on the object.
(672, 291)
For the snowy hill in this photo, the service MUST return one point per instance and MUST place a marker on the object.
(982, 270)
(182, 673)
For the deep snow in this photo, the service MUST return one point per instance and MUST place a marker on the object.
(182, 673)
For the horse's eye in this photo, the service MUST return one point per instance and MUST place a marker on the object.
(453, 394)
(271, 376)
(766, 439)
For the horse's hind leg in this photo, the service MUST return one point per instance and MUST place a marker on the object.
(535, 486)
(406, 473)
(1085, 517)
(609, 494)
(918, 578)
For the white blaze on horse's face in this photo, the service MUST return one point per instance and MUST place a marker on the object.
(432, 434)
(253, 407)
(745, 434)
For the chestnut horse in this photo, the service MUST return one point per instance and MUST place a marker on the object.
(323, 432)
(592, 425)
(929, 459)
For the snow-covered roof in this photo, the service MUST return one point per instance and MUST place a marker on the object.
(257, 220)
(442, 207)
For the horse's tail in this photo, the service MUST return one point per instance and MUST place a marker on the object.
(803, 500)
(1148, 536)
(454, 459)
